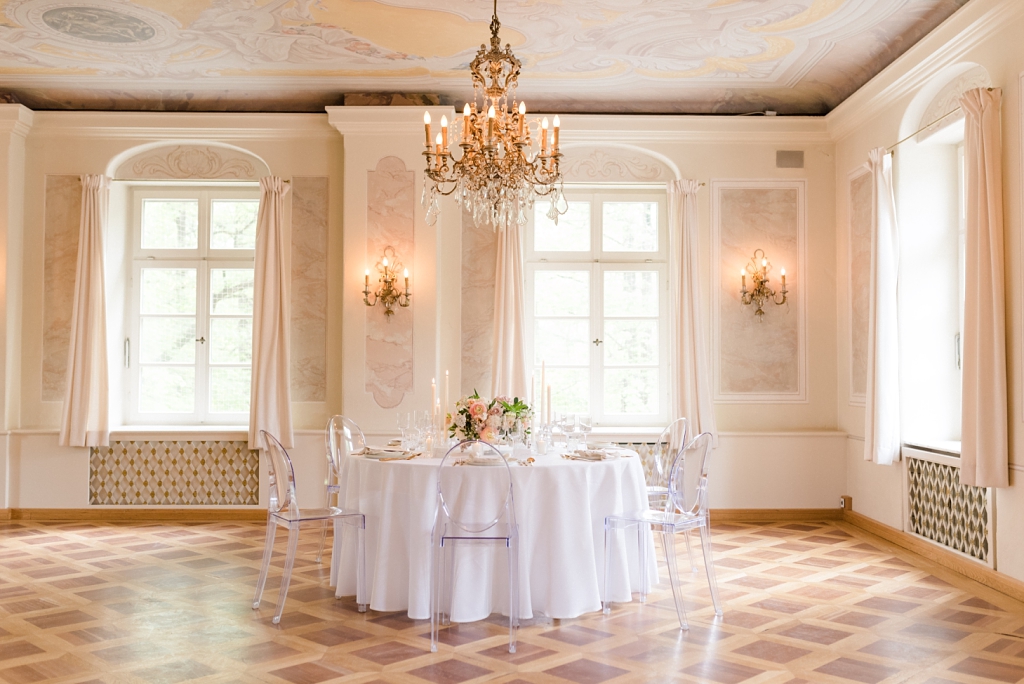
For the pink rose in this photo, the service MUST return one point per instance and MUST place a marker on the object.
(489, 435)
(477, 408)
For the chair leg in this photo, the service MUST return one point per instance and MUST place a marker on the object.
(513, 593)
(435, 592)
(286, 577)
(668, 540)
(709, 566)
(323, 540)
(645, 587)
(268, 551)
(689, 551)
(607, 606)
(449, 596)
(362, 598)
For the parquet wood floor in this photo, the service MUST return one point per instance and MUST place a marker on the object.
(804, 602)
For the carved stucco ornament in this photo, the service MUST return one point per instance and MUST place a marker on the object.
(611, 165)
(188, 161)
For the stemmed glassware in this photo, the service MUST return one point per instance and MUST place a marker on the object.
(585, 426)
(403, 419)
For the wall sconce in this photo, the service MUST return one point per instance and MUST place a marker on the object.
(758, 269)
(386, 294)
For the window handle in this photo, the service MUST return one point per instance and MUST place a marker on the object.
(597, 342)
(201, 340)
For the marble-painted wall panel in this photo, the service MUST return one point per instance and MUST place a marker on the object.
(758, 360)
(390, 211)
(479, 259)
(63, 215)
(860, 274)
(309, 288)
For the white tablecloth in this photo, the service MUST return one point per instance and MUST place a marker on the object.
(560, 507)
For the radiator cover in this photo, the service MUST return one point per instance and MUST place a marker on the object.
(947, 512)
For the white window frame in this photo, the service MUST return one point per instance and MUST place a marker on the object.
(203, 259)
(597, 262)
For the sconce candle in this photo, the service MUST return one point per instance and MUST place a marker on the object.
(426, 125)
(762, 292)
(386, 293)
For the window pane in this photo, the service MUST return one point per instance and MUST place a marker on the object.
(562, 341)
(572, 234)
(633, 390)
(229, 390)
(631, 342)
(231, 291)
(230, 340)
(169, 291)
(233, 224)
(631, 293)
(167, 389)
(168, 340)
(630, 227)
(561, 293)
(170, 224)
(570, 389)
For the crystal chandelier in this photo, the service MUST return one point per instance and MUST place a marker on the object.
(498, 173)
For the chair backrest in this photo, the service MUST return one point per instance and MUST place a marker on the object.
(672, 439)
(282, 475)
(688, 481)
(475, 499)
(343, 438)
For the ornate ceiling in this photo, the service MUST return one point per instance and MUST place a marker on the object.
(678, 56)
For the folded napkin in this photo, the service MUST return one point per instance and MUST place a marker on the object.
(384, 452)
(591, 455)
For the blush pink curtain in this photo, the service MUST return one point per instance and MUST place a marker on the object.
(882, 410)
(270, 395)
(508, 360)
(84, 420)
(688, 363)
(984, 437)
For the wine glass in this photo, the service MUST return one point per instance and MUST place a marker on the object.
(586, 425)
(402, 418)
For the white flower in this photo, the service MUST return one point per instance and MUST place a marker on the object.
(460, 420)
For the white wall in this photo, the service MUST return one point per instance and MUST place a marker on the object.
(986, 33)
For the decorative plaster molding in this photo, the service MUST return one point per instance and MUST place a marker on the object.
(190, 162)
(948, 100)
(611, 165)
(799, 292)
(972, 25)
(187, 127)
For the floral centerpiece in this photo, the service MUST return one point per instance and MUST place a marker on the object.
(476, 418)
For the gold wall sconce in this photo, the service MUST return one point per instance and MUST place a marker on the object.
(758, 270)
(387, 294)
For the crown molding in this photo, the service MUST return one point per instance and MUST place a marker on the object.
(16, 119)
(181, 126)
(965, 30)
(602, 128)
(385, 120)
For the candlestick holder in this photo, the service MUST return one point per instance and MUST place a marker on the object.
(758, 269)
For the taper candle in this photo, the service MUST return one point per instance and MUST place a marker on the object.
(406, 281)
(544, 136)
(433, 393)
(444, 133)
(542, 386)
(465, 124)
(446, 404)
(557, 124)
(549, 405)
(426, 125)
(522, 119)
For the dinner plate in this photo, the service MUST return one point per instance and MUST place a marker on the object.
(384, 452)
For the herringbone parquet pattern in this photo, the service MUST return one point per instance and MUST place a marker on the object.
(167, 603)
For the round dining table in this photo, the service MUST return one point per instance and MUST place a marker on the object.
(560, 507)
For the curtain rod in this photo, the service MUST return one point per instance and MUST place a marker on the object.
(187, 180)
(925, 128)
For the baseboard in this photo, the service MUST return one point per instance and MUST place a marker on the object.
(947, 559)
(721, 515)
(138, 514)
(5, 513)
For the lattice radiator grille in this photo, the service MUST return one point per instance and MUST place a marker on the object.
(945, 511)
(217, 473)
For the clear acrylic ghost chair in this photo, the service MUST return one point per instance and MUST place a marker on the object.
(470, 513)
(285, 512)
(665, 450)
(343, 438)
(688, 495)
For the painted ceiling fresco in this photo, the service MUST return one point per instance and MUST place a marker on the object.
(672, 56)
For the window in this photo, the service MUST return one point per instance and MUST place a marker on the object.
(192, 302)
(597, 285)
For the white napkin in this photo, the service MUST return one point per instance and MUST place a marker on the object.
(591, 455)
(384, 452)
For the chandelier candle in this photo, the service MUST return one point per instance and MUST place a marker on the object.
(497, 173)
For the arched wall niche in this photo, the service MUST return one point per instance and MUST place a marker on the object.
(615, 164)
(194, 160)
(939, 97)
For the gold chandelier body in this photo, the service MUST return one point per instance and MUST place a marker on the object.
(758, 269)
(498, 173)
